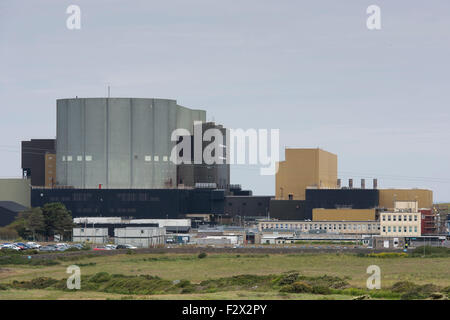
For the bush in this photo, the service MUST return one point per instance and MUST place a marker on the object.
(100, 277)
(202, 255)
(288, 279)
(37, 283)
(297, 287)
(410, 290)
(321, 290)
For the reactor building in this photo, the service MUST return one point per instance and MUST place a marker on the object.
(119, 143)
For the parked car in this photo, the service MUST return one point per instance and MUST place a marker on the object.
(10, 246)
(21, 246)
(125, 246)
(111, 246)
(33, 245)
(48, 248)
(101, 249)
(78, 246)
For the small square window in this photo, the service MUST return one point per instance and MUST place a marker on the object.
(79, 158)
(88, 158)
(148, 158)
(165, 158)
(156, 158)
(69, 158)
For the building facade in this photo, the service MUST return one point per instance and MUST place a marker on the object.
(403, 221)
(119, 143)
(303, 168)
(338, 227)
(34, 159)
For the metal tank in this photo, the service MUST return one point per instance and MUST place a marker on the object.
(119, 143)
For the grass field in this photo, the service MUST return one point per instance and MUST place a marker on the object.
(189, 267)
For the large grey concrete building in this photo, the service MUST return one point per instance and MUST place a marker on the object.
(119, 143)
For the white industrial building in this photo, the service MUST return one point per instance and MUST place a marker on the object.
(141, 237)
(92, 235)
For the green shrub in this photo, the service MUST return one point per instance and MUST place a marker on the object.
(37, 283)
(321, 290)
(189, 289)
(288, 279)
(100, 277)
(297, 287)
(202, 255)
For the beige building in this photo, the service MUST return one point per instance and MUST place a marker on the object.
(304, 168)
(423, 197)
(17, 190)
(337, 227)
(320, 214)
(403, 221)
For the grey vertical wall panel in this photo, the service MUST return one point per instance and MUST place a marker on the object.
(117, 134)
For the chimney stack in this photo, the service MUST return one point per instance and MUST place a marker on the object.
(339, 183)
(350, 183)
(375, 183)
(363, 183)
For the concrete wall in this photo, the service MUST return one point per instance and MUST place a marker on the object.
(17, 190)
(343, 214)
(304, 168)
(118, 142)
(422, 196)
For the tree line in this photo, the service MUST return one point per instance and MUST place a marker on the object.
(40, 224)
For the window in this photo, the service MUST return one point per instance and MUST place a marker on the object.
(394, 217)
(69, 158)
(384, 217)
(389, 217)
(165, 158)
(394, 228)
(88, 158)
(389, 228)
(400, 217)
(156, 158)
(147, 158)
(404, 229)
(79, 158)
(410, 229)
(291, 197)
(415, 229)
(384, 228)
(409, 217)
(415, 217)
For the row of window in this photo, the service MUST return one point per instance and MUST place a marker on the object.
(120, 196)
(78, 158)
(399, 229)
(398, 217)
(147, 158)
(320, 226)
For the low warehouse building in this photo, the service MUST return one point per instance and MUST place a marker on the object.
(140, 237)
(92, 235)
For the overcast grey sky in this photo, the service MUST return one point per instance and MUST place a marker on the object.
(378, 99)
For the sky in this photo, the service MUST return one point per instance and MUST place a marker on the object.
(379, 99)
